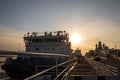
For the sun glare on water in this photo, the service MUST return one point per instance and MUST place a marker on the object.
(75, 38)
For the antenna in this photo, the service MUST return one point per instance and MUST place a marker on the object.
(19, 43)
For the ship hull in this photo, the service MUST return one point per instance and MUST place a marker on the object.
(20, 69)
(16, 72)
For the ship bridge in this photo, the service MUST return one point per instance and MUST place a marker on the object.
(74, 68)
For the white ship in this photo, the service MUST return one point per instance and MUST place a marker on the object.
(52, 42)
(56, 42)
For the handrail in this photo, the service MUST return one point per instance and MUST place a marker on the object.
(5, 52)
(69, 67)
(40, 73)
(67, 73)
(62, 72)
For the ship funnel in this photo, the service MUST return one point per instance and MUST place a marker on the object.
(45, 33)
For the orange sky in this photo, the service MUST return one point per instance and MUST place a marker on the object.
(94, 20)
(13, 40)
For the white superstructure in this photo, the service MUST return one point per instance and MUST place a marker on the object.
(52, 42)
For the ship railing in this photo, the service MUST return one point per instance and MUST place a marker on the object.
(6, 53)
(69, 63)
(38, 68)
(70, 60)
(103, 69)
(65, 77)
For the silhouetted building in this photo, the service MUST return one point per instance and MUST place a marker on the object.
(101, 49)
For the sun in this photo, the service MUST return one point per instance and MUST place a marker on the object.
(75, 38)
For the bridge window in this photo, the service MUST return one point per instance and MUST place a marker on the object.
(40, 40)
(37, 40)
(56, 40)
(33, 40)
(53, 49)
(52, 40)
(59, 39)
(45, 40)
(48, 40)
(29, 49)
(30, 40)
(37, 49)
(48, 49)
(44, 49)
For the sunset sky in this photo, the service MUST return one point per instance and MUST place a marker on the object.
(93, 20)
